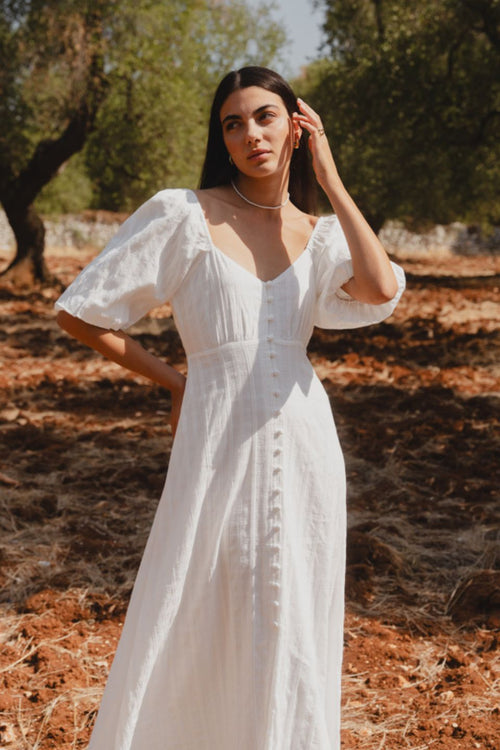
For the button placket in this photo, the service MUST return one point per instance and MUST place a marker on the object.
(275, 500)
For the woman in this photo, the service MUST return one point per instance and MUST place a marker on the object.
(233, 636)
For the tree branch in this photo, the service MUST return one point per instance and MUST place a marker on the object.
(49, 155)
(379, 19)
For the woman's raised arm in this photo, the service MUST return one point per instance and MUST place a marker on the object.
(373, 279)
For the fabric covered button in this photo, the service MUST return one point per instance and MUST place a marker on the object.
(275, 584)
(275, 373)
(270, 318)
(276, 394)
(276, 413)
(270, 299)
(276, 623)
(278, 433)
(272, 355)
(270, 338)
(276, 565)
(276, 603)
(277, 452)
(276, 469)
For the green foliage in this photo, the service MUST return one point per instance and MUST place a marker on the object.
(151, 130)
(410, 95)
(157, 66)
(70, 191)
(44, 55)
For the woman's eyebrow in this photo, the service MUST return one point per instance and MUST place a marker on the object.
(256, 112)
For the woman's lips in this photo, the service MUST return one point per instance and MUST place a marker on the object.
(257, 154)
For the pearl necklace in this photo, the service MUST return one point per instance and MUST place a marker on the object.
(259, 205)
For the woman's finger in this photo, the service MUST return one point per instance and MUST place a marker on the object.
(308, 112)
(314, 130)
(309, 120)
(322, 158)
(311, 127)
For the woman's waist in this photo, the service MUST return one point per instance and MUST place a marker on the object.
(259, 365)
(268, 347)
(253, 380)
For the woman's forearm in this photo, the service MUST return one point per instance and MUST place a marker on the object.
(122, 349)
(373, 278)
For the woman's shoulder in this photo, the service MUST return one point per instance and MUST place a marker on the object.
(221, 194)
(323, 221)
(216, 202)
(174, 197)
(169, 204)
(328, 220)
(165, 211)
(327, 224)
(326, 237)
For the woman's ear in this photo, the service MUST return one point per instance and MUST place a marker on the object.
(296, 131)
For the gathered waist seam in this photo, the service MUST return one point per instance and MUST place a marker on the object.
(253, 342)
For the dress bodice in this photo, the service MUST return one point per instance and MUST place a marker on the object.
(233, 305)
(164, 252)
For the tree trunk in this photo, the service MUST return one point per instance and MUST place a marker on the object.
(29, 264)
(19, 191)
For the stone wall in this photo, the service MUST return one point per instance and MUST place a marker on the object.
(453, 239)
(90, 229)
(95, 228)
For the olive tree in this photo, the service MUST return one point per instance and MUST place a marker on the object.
(129, 80)
(410, 95)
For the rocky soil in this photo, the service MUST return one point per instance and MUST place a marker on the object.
(84, 447)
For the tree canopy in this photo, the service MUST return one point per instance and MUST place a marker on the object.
(165, 65)
(129, 80)
(410, 96)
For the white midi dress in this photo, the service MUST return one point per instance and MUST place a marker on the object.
(233, 635)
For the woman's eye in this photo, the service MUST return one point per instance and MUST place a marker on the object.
(267, 116)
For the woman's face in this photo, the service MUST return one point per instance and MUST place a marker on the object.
(258, 131)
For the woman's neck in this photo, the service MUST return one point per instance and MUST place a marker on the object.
(265, 191)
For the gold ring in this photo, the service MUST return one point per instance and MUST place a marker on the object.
(321, 131)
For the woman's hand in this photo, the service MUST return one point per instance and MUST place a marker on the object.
(125, 351)
(322, 158)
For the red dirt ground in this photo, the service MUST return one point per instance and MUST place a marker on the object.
(84, 450)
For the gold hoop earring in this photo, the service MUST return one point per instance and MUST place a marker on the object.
(231, 160)
(297, 143)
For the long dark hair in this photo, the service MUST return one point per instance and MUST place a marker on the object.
(217, 169)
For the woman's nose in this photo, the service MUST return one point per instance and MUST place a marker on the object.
(253, 134)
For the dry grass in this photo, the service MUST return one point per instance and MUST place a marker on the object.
(77, 501)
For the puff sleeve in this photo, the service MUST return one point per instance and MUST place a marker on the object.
(334, 307)
(141, 267)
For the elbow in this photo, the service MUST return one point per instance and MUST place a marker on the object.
(385, 293)
(373, 291)
(386, 289)
(378, 294)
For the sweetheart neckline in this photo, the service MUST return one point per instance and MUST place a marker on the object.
(254, 276)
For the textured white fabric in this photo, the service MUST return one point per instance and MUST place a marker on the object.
(233, 636)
